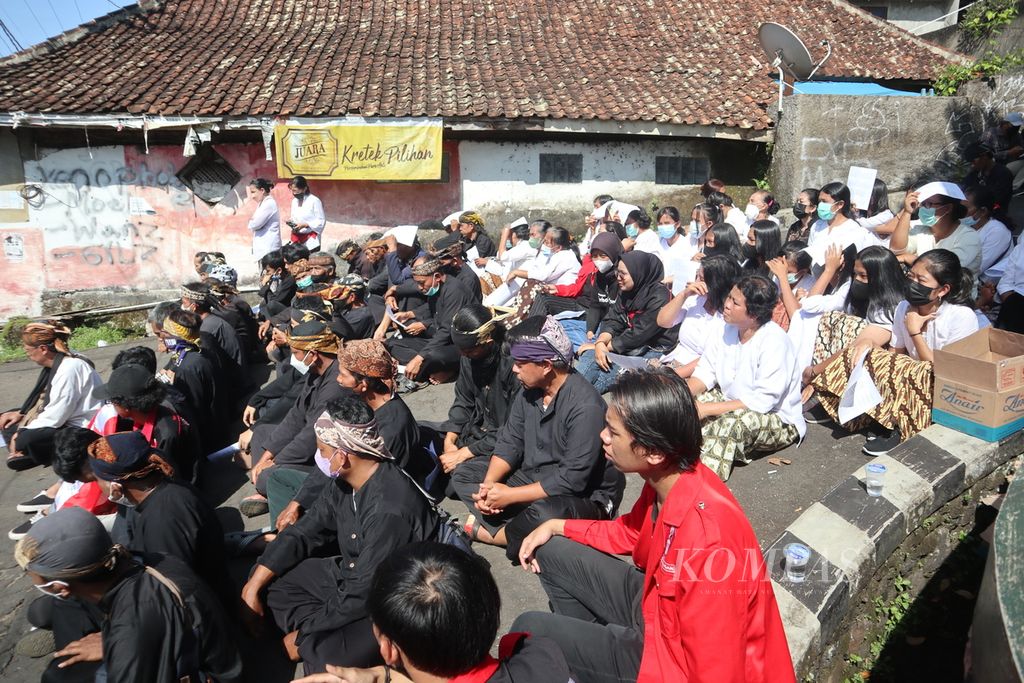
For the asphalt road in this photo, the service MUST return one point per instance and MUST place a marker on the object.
(772, 495)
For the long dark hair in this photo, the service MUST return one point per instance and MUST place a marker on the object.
(839, 192)
(944, 266)
(879, 201)
(767, 244)
(726, 240)
(720, 274)
(887, 285)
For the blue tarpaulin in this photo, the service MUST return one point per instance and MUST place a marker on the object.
(845, 88)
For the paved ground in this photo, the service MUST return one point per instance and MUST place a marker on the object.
(773, 496)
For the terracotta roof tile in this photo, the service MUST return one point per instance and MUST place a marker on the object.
(680, 61)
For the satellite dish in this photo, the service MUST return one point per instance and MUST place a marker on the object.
(789, 54)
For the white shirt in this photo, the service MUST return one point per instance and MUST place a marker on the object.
(515, 257)
(762, 372)
(843, 235)
(648, 241)
(995, 242)
(696, 328)
(72, 400)
(964, 242)
(872, 222)
(561, 268)
(1012, 279)
(738, 220)
(951, 323)
(677, 259)
(311, 212)
(265, 226)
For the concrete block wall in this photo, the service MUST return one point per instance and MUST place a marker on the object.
(851, 535)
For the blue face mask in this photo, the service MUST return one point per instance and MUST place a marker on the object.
(508, 244)
(968, 221)
(545, 250)
(304, 282)
(172, 345)
(433, 290)
(666, 232)
(825, 211)
(927, 216)
(632, 231)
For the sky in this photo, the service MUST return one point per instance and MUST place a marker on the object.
(32, 21)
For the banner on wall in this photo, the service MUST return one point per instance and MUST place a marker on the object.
(360, 149)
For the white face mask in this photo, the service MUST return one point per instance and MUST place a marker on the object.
(603, 265)
(751, 212)
(117, 497)
(299, 365)
(694, 228)
(59, 585)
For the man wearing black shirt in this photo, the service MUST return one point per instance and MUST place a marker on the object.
(369, 510)
(160, 624)
(548, 461)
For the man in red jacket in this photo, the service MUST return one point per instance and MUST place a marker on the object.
(698, 605)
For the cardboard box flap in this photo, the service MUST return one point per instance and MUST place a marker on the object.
(988, 359)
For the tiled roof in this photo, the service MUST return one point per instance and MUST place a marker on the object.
(677, 61)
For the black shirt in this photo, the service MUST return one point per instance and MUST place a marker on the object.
(484, 392)
(452, 298)
(202, 383)
(387, 513)
(560, 446)
(483, 243)
(173, 520)
(293, 442)
(147, 635)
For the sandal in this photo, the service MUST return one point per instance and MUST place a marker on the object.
(237, 542)
(254, 505)
(472, 528)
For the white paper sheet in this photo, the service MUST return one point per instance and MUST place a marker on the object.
(11, 199)
(472, 254)
(390, 313)
(861, 182)
(495, 268)
(568, 315)
(629, 362)
(502, 295)
(861, 394)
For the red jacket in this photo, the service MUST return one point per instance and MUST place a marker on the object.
(709, 609)
(587, 272)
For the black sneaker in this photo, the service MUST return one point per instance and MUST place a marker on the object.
(19, 532)
(815, 413)
(38, 504)
(883, 444)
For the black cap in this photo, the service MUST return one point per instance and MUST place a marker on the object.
(130, 379)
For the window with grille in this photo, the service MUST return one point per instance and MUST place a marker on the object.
(681, 170)
(561, 168)
(209, 175)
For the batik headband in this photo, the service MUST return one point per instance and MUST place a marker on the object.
(180, 331)
(362, 439)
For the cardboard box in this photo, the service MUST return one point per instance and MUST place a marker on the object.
(979, 385)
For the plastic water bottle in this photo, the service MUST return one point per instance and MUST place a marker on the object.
(797, 555)
(874, 479)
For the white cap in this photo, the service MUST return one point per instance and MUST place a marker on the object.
(404, 234)
(951, 190)
(519, 221)
(1014, 118)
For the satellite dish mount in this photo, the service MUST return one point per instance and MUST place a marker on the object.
(789, 54)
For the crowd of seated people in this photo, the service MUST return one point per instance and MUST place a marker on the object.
(668, 347)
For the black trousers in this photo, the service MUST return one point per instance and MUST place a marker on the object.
(37, 443)
(596, 603)
(69, 620)
(444, 358)
(551, 304)
(1011, 315)
(519, 520)
(301, 600)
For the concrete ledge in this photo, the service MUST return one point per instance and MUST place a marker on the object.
(851, 534)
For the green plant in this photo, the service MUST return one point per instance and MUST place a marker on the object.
(984, 18)
(949, 80)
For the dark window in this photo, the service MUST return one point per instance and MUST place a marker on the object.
(681, 170)
(880, 11)
(209, 175)
(561, 168)
(445, 174)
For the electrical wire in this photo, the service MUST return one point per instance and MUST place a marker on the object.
(81, 17)
(10, 31)
(38, 23)
(59, 24)
(6, 44)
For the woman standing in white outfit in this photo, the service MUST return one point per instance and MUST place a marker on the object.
(265, 223)
(307, 216)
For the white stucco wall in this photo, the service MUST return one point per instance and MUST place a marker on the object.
(504, 177)
(912, 15)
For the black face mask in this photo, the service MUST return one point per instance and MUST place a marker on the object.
(918, 294)
(859, 291)
(749, 252)
(799, 211)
